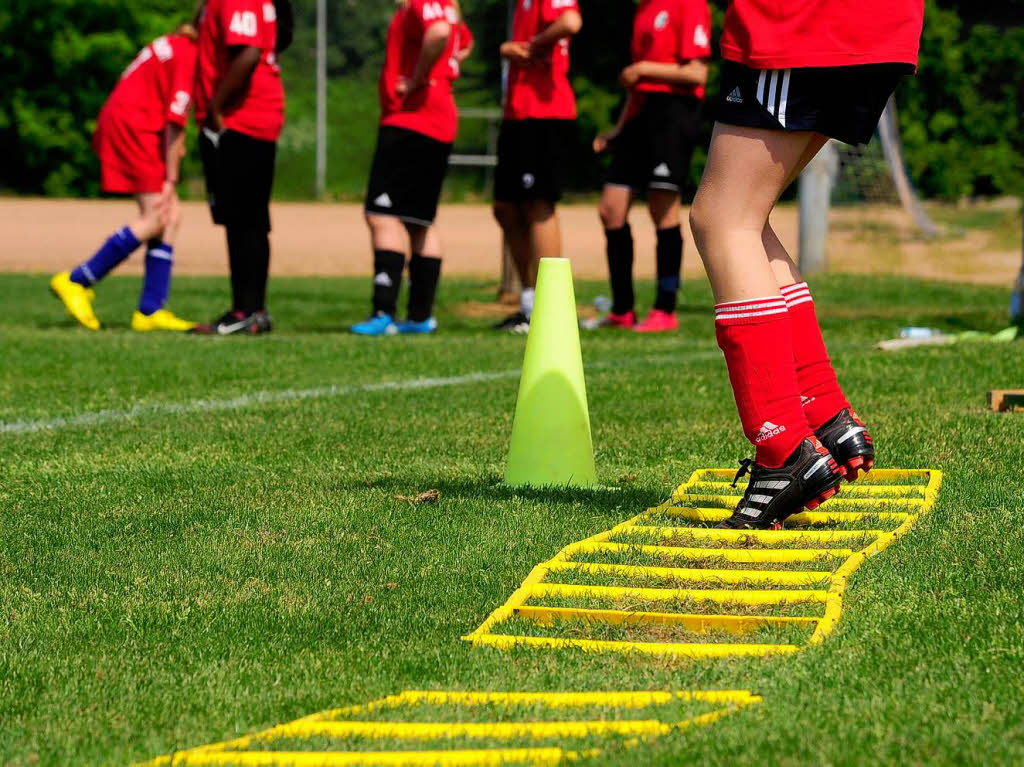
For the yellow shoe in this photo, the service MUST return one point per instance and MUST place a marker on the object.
(161, 319)
(76, 298)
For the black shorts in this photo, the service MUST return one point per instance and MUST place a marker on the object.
(654, 149)
(407, 175)
(843, 103)
(239, 174)
(531, 154)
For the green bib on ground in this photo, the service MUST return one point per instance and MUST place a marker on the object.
(551, 443)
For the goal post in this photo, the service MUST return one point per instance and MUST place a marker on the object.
(876, 173)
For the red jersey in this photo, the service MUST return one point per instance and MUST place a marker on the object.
(259, 111)
(430, 109)
(540, 90)
(781, 34)
(156, 88)
(671, 32)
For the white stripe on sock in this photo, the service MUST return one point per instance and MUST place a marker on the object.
(793, 288)
(745, 301)
(742, 315)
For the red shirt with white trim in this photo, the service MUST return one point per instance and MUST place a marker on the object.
(259, 111)
(540, 90)
(430, 109)
(156, 88)
(671, 32)
(782, 34)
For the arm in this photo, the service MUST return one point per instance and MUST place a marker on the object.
(244, 59)
(435, 40)
(466, 43)
(693, 72)
(174, 141)
(602, 141)
(566, 25)
(517, 53)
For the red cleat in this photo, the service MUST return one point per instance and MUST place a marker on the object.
(658, 322)
(626, 321)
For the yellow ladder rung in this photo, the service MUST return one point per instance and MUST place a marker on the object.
(850, 491)
(485, 757)
(442, 730)
(736, 624)
(731, 501)
(803, 518)
(719, 596)
(875, 474)
(776, 556)
(760, 536)
(616, 698)
(774, 577)
(678, 649)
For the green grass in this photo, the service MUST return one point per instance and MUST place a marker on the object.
(191, 574)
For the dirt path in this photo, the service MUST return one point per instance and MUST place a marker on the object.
(40, 235)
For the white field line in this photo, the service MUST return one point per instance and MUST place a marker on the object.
(135, 412)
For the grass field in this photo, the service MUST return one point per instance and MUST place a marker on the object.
(202, 537)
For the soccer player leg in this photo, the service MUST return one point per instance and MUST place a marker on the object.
(746, 170)
(156, 282)
(663, 204)
(424, 275)
(511, 179)
(616, 199)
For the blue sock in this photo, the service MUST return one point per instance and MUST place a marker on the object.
(115, 250)
(156, 286)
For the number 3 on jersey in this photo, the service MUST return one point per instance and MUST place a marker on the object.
(243, 23)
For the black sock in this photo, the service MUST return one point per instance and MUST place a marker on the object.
(249, 257)
(424, 274)
(620, 268)
(670, 265)
(388, 266)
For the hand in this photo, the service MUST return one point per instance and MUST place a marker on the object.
(630, 76)
(463, 53)
(517, 53)
(604, 140)
(406, 86)
(540, 50)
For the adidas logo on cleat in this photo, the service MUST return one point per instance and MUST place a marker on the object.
(384, 201)
(768, 430)
(735, 97)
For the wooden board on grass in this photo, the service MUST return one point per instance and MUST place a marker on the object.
(1006, 400)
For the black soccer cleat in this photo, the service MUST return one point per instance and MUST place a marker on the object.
(518, 324)
(236, 323)
(809, 477)
(847, 438)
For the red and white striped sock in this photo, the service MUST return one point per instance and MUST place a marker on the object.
(758, 345)
(822, 395)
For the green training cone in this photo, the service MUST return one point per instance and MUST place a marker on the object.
(551, 442)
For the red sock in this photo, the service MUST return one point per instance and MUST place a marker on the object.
(822, 397)
(758, 346)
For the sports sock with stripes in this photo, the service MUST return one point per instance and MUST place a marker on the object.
(156, 285)
(424, 274)
(822, 395)
(670, 265)
(388, 266)
(116, 249)
(620, 268)
(758, 347)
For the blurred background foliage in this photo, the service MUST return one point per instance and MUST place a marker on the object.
(961, 117)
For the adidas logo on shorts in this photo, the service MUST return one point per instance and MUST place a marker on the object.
(662, 171)
(528, 181)
(384, 201)
(735, 97)
(768, 430)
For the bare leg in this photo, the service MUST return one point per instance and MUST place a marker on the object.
(747, 170)
(152, 219)
(514, 224)
(783, 267)
(614, 206)
(663, 206)
(545, 233)
(387, 233)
